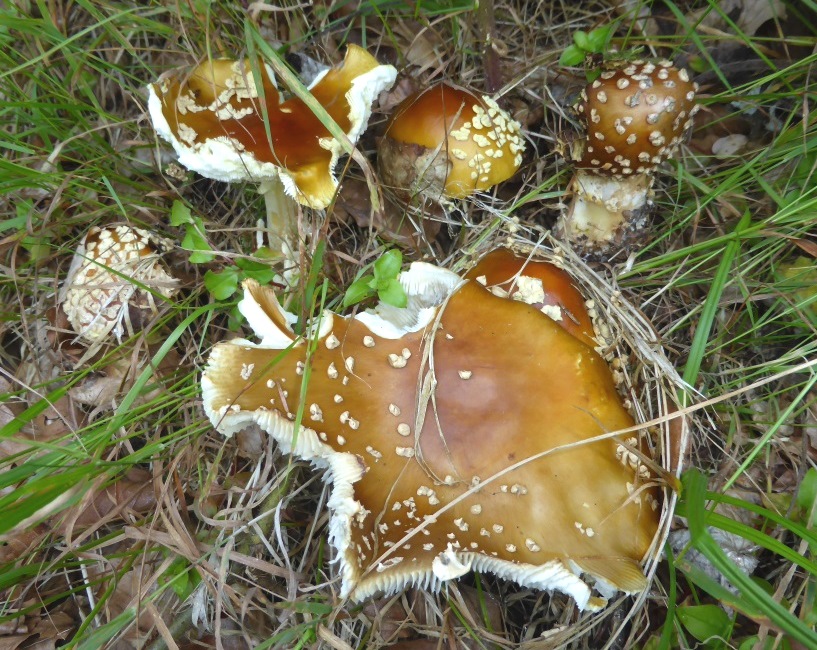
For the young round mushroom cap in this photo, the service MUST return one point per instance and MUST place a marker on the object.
(214, 116)
(116, 281)
(447, 141)
(636, 115)
(467, 431)
(544, 285)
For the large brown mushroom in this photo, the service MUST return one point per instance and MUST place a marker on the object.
(467, 431)
(216, 118)
(447, 142)
(635, 117)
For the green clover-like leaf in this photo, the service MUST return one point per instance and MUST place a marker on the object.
(195, 241)
(388, 265)
(582, 40)
(392, 293)
(598, 38)
(222, 284)
(180, 214)
(358, 291)
(258, 271)
(705, 622)
(572, 57)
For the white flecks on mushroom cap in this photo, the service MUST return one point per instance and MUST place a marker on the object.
(635, 117)
(229, 158)
(446, 141)
(102, 293)
(370, 526)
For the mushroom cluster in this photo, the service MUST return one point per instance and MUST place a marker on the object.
(635, 117)
(474, 429)
(115, 281)
(447, 142)
(216, 117)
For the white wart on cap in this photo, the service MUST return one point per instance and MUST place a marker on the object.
(635, 116)
(115, 283)
(448, 142)
(470, 462)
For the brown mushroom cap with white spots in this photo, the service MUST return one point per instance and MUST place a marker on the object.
(635, 116)
(214, 116)
(116, 282)
(448, 142)
(457, 434)
(541, 284)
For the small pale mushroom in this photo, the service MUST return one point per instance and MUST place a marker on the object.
(635, 117)
(214, 116)
(460, 439)
(447, 142)
(115, 283)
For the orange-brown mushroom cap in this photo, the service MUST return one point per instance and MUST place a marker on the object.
(214, 118)
(636, 117)
(540, 284)
(447, 141)
(457, 434)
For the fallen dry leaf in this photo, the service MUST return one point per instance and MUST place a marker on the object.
(55, 421)
(12, 642)
(394, 225)
(747, 15)
(131, 495)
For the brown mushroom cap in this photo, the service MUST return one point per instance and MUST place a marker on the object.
(104, 292)
(636, 117)
(447, 141)
(214, 118)
(541, 284)
(458, 441)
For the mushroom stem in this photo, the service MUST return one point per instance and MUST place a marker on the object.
(605, 210)
(282, 216)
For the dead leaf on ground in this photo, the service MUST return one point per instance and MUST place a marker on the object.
(40, 630)
(129, 496)
(391, 99)
(18, 543)
(747, 15)
(395, 224)
(57, 420)
(138, 585)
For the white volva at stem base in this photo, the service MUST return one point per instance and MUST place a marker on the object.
(604, 209)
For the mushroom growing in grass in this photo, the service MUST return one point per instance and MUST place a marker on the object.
(447, 142)
(216, 118)
(470, 430)
(635, 117)
(115, 283)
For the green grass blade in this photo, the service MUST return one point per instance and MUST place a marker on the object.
(753, 596)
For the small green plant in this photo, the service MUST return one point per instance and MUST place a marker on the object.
(584, 43)
(181, 578)
(223, 284)
(382, 282)
(194, 233)
(709, 624)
